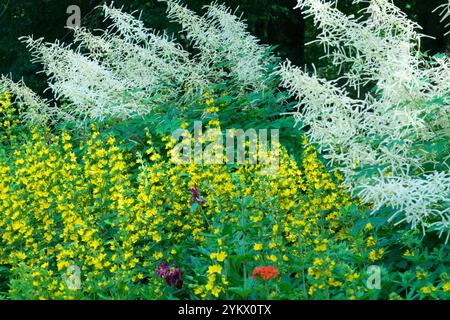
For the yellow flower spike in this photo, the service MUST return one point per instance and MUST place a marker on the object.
(215, 269)
(221, 256)
(368, 226)
(426, 290)
(421, 275)
(257, 246)
(213, 255)
(157, 255)
(407, 253)
(446, 286)
(198, 290)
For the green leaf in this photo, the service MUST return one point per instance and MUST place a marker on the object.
(194, 207)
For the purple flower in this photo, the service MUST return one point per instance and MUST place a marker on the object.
(196, 197)
(162, 270)
(172, 275)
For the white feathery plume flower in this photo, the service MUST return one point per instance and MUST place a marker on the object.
(141, 67)
(133, 31)
(199, 31)
(334, 106)
(377, 139)
(351, 42)
(419, 199)
(130, 28)
(154, 60)
(127, 70)
(202, 35)
(34, 110)
(247, 57)
(92, 90)
(221, 36)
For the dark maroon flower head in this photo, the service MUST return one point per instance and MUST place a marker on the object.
(162, 270)
(172, 275)
(194, 193)
(196, 197)
(174, 278)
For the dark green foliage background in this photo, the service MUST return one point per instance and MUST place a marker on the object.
(272, 21)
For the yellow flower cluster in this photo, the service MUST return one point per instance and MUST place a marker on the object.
(77, 204)
(61, 212)
(9, 119)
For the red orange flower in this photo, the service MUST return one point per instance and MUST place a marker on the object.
(265, 273)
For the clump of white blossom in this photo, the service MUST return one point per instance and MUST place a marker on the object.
(221, 36)
(36, 110)
(127, 70)
(374, 121)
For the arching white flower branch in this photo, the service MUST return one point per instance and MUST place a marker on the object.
(378, 139)
(128, 69)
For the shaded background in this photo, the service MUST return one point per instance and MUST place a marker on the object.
(273, 22)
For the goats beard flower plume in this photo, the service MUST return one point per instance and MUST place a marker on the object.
(221, 36)
(265, 273)
(129, 70)
(32, 108)
(172, 275)
(379, 141)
